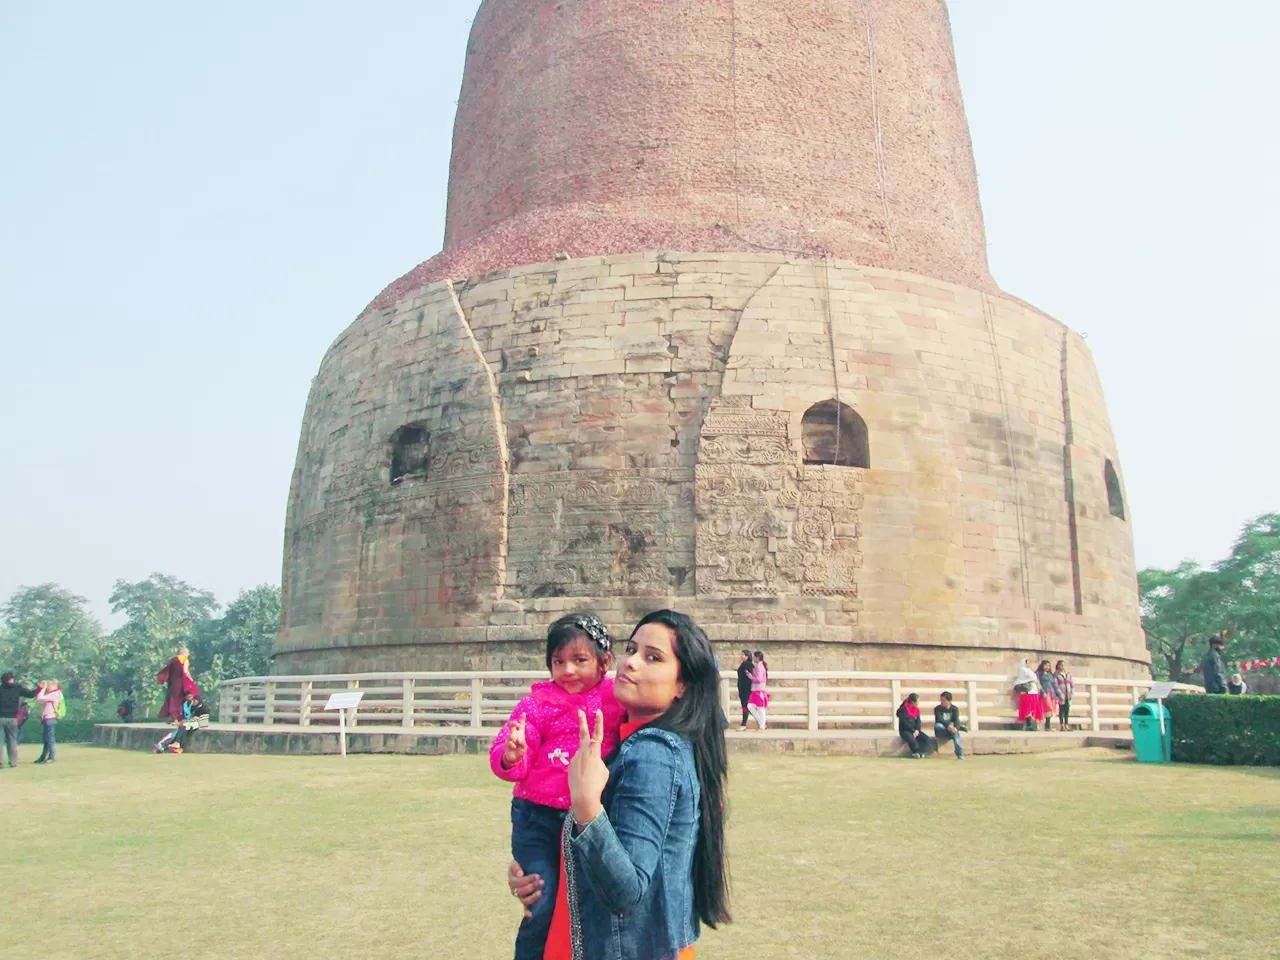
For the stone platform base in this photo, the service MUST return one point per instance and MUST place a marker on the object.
(441, 741)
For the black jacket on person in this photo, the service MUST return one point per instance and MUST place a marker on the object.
(744, 679)
(906, 722)
(10, 694)
(947, 716)
(1213, 669)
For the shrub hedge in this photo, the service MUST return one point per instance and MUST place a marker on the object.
(1226, 730)
(69, 731)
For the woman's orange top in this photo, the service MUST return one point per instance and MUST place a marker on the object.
(559, 945)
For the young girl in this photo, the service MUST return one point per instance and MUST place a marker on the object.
(758, 704)
(49, 696)
(535, 746)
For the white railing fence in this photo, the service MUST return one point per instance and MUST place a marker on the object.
(799, 699)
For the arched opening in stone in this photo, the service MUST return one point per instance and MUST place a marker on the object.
(834, 433)
(409, 453)
(1115, 499)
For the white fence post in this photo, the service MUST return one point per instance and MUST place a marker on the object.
(971, 705)
(224, 704)
(477, 698)
(895, 698)
(269, 704)
(811, 690)
(304, 704)
(352, 685)
(406, 704)
(242, 703)
(1094, 717)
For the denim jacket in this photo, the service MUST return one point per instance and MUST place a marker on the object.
(629, 873)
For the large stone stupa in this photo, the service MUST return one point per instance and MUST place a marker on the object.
(712, 328)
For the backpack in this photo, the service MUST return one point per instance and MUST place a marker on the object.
(60, 710)
(122, 711)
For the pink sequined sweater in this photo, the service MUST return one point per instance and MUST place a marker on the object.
(551, 732)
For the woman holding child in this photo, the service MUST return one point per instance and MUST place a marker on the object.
(642, 859)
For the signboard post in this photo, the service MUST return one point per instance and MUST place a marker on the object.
(342, 702)
(1159, 692)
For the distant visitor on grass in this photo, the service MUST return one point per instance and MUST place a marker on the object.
(11, 695)
(53, 707)
(642, 860)
(1237, 686)
(534, 748)
(127, 706)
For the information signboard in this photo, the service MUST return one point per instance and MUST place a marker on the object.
(342, 702)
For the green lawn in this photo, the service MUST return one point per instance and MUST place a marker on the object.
(1079, 855)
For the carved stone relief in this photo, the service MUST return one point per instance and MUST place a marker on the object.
(766, 525)
(601, 533)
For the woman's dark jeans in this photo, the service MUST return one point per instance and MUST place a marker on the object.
(535, 845)
(50, 740)
(916, 741)
(1064, 712)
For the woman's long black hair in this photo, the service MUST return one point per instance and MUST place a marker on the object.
(697, 717)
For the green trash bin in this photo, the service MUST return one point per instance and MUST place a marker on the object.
(1149, 743)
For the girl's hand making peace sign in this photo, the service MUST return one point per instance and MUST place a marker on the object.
(516, 746)
(587, 772)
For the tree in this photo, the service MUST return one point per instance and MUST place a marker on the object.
(1183, 607)
(164, 613)
(239, 643)
(49, 633)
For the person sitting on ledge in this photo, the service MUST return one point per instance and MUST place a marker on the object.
(187, 728)
(170, 741)
(946, 722)
(909, 727)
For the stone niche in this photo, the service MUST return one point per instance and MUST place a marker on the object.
(852, 468)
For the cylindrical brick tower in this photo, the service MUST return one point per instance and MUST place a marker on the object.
(712, 328)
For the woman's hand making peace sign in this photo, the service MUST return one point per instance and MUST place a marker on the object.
(587, 772)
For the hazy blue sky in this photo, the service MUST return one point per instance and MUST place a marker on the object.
(196, 199)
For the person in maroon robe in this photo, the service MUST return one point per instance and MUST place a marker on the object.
(176, 678)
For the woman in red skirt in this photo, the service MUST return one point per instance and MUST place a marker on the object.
(1026, 688)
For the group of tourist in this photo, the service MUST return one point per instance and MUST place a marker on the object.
(617, 816)
(753, 688)
(946, 725)
(14, 713)
(1043, 693)
(182, 705)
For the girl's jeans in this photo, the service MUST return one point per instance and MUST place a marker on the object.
(50, 741)
(535, 845)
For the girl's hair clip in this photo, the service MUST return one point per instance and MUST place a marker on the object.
(594, 628)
